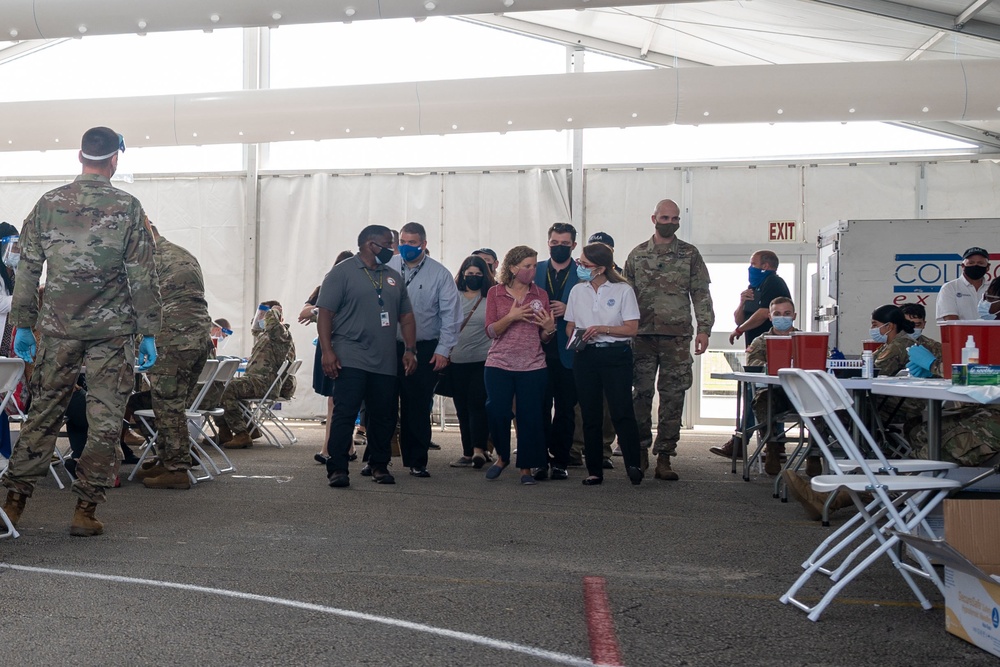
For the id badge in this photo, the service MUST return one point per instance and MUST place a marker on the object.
(385, 318)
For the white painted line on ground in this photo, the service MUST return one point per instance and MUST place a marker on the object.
(499, 644)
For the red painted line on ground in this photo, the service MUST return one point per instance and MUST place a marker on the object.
(600, 626)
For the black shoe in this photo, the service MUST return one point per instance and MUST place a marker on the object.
(419, 472)
(339, 479)
(607, 464)
(129, 457)
(592, 481)
(634, 474)
(320, 458)
(366, 471)
(558, 473)
(433, 445)
(70, 465)
(353, 456)
(540, 474)
(382, 476)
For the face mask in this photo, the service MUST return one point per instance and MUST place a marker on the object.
(12, 260)
(875, 333)
(917, 333)
(383, 255)
(984, 310)
(260, 323)
(667, 229)
(409, 252)
(974, 272)
(525, 276)
(782, 323)
(559, 253)
(474, 283)
(585, 275)
(757, 276)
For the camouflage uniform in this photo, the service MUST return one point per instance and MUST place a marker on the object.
(891, 358)
(936, 350)
(101, 290)
(668, 279)
(272, 347)
(182, 348)
(969, 437)
(757, 356)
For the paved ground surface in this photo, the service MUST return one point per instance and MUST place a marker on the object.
(693, 571)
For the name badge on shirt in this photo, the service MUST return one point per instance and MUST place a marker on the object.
(385, 318)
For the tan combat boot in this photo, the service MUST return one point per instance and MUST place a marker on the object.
(663, 469)
(239, 441)
(14, 505)
(225, 435)
(85, 524)
(149, 469)
(168, 479)
(772, 460)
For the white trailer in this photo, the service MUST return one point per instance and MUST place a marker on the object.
(864, 264)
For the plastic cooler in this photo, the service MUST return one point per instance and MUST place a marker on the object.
(870, 345)
(986, 333)
(779, 353)
(810, 349)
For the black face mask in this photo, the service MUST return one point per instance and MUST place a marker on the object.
(383, 255)
(667, 229)
(559, 253)
(974, 272)
(474, 283)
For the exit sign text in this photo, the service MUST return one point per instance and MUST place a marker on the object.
(781, 230)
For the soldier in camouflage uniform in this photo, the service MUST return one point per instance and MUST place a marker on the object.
(183, 346)
(969, 437)
(101, 291)
(669, 276)
(272, 346)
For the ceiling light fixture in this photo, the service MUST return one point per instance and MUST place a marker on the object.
(350, 11)
(13, 32)
(276, 16)
(142, 24)
(430, 6)
(214, 18)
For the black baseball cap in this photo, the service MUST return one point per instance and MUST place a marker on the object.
(975, 251)
(601, 237)
(486, 251)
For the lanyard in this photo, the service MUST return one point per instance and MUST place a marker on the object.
(548, 278)
(378, 288)
(415, 271)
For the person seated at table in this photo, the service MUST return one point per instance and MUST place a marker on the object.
(272, 346)
(917, 314)
(782, 313)
(989, 306)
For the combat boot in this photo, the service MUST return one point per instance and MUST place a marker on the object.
(663, 469)
(239, 441)
(14, 505)
(772, 462)
(150, 469)
(255, 434)
(168, 479)
(814, 466)
(225, 435)
(85, 524)
(643, 458)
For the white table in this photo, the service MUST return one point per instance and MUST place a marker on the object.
(933, 390)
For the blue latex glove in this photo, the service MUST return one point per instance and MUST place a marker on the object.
(922, 357)
(147, 353)
(918, 371)
(24, 344)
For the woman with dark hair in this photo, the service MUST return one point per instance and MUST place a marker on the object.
(9, 256)
(602, 317)
(468, 361)
(888, 326)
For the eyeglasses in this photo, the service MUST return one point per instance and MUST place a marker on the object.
(585, 265)
(991, 298)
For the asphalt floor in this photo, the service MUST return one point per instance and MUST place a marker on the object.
(271, 566)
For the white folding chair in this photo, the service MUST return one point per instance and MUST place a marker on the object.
(198, 419)
(267, 412)
(11, 372)
(899, 503)
(255, 410)
(208, 374)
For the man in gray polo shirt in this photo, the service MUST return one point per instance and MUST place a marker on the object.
(438, 314)
(361, 303)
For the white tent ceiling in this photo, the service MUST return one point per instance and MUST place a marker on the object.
(683, 35)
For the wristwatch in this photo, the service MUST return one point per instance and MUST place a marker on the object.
(410, 349)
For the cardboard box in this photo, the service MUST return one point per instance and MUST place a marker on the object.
(980, 375)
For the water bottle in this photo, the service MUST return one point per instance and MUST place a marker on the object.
(867, 364)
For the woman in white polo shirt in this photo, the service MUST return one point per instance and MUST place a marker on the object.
(604, 309)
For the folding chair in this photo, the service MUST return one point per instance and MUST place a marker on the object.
(899, 503)
(11, 372)
(205, 379)
(258, 410)
(267, 410)
(198, 419)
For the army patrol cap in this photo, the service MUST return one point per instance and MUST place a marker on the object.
(602, 237)
(975, 251)
(100, 143)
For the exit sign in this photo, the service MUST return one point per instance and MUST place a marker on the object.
(782, 230)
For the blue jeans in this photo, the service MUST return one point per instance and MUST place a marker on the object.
(528, 387)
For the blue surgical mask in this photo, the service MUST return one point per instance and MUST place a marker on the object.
(875, 333)
(917, 333)
(757, 276)
(410, 252)
(984, 310)
(583, 274)
(782, 323)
